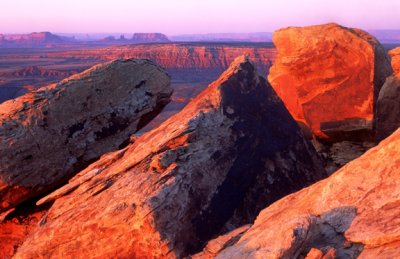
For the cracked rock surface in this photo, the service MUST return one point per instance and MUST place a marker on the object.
(45, 136)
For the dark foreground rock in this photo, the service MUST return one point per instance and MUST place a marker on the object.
(388, 108)
(329, 78)
(352, 214)
(47, 135)
(388, 104)
(208, 169)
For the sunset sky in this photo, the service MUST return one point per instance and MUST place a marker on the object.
(191, 16)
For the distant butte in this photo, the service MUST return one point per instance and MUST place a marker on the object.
(35, 39)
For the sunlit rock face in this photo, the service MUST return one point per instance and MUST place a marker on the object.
(329, 78)
(210, 168)
(388, 104)
(395, 55)
(184, 60)
(352, 214)
(15, 225)
(47, 135)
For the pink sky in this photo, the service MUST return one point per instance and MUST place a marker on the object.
(191, 16)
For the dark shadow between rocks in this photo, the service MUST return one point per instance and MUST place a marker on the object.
(327, 232)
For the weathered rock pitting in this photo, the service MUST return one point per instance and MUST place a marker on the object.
(47, 135)
(352, 214)
(209, 168)
(329, 78)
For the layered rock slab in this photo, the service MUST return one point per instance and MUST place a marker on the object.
(329, 77)
(209, 168)
(47, 135)
(354, 214)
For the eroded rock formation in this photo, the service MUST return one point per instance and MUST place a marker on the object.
(149, 37)
(209, 168)
(177, 57)
(329, 78)
(35, 39)
(47, 135)
(352, 214)
(35, 71)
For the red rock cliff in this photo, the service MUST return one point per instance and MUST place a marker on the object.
(182, 55)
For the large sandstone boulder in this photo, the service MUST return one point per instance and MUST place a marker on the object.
(388, 104)
(211, 167)
(47, 135)
(329, 77)
(352, 214)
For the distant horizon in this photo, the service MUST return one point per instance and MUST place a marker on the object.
(205, 33)
(178, 17)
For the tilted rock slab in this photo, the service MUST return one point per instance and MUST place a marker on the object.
(354, 213)
(329, 77)
(47, 135)
(213, 166)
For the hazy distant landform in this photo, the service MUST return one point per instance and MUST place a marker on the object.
(47, 39)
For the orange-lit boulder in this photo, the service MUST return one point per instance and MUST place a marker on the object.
(395, 54)
(329, 77)
(47, 135)
(352, 214)
(211, 167)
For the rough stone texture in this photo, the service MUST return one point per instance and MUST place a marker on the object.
(209, 168)
(329, 77)
(217, 245)
(340, 153)
(354, 212)
(315, 254)
(47, 135)
(388, 104)
(395, 55)
(16, 225)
